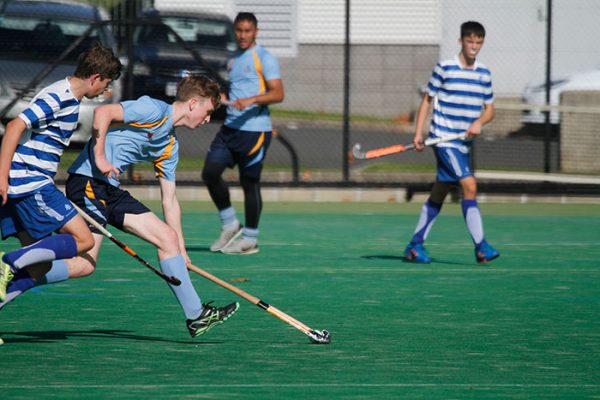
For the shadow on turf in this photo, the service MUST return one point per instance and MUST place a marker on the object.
(51, 336)
(383, 257)
(401, 258)
(198, 249)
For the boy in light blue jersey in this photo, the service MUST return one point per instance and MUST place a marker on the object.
(461, 91)
(128, 133)
(244, 138)
(32, 207)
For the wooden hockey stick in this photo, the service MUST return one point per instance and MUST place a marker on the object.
(316, 336)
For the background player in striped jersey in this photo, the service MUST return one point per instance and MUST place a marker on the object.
(461, 91)
(128, 133)
(32, 207)
(244, 137)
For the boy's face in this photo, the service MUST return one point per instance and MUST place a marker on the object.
(97, 86)
(245, 33)
(200, 110)
(471, 45)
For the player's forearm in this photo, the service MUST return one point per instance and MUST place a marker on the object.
(274, 94)
(271, 97)
(489, 112)
(103, 117)
(10, 141)
(99, 142)
(422, 114)
(172, 210)
(100, 128)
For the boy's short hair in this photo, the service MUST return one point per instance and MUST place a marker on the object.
(201, 86)
(472, 28)
(246, 16)
(98, 59)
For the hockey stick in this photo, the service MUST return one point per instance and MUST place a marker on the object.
(359, 154)
(170, 279)
(319, 337)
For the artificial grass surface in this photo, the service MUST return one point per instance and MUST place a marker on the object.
(524, 326)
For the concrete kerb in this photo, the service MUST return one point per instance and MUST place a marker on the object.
(348, 195)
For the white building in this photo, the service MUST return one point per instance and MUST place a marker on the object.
(396, 43)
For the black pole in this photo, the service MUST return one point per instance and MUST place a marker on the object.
(130, 16)
(346, 128)
(548, 125)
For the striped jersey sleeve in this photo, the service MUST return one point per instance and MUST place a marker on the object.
(51, 119)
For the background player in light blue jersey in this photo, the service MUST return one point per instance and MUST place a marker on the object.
(32, 207)
(462, 96)
(244, 137)
(128, 133)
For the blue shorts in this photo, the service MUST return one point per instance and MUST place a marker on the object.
(452, 164)
(102, 201)
(39, 214)
(245, 148)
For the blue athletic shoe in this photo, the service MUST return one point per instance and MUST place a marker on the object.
(485, 252)
(416, 253)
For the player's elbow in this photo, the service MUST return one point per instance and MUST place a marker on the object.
(15, 127)
(274, 97)
(276, 92)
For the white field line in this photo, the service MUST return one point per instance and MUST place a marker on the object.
(308, 385)
(537, 177)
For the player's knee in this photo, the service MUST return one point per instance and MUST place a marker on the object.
(86, 270)
(248, 183)
(469, 191)
(168, 239)
(439, 191)
(211, 173)
(80, 267)
(85, 241)
(206, 176)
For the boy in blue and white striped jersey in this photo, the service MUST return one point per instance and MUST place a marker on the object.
(461, 91)
(128, 133)
(32, 207)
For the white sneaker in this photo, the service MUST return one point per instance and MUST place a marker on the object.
(227, 237)
(242, 246)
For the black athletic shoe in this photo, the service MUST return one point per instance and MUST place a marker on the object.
(210, 317)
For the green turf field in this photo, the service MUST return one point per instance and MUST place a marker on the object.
(526, 326)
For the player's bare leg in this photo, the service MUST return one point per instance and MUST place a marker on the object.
(200, 317)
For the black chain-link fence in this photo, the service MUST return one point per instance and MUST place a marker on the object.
(353, 72)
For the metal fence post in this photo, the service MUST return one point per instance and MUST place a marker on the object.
(346, 127)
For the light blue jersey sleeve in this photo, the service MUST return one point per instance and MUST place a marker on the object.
(270, 66)
(166, 164)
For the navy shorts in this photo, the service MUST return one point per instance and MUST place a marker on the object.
(247, 149)
(452, 164)
(39, 214)
(102, 201)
